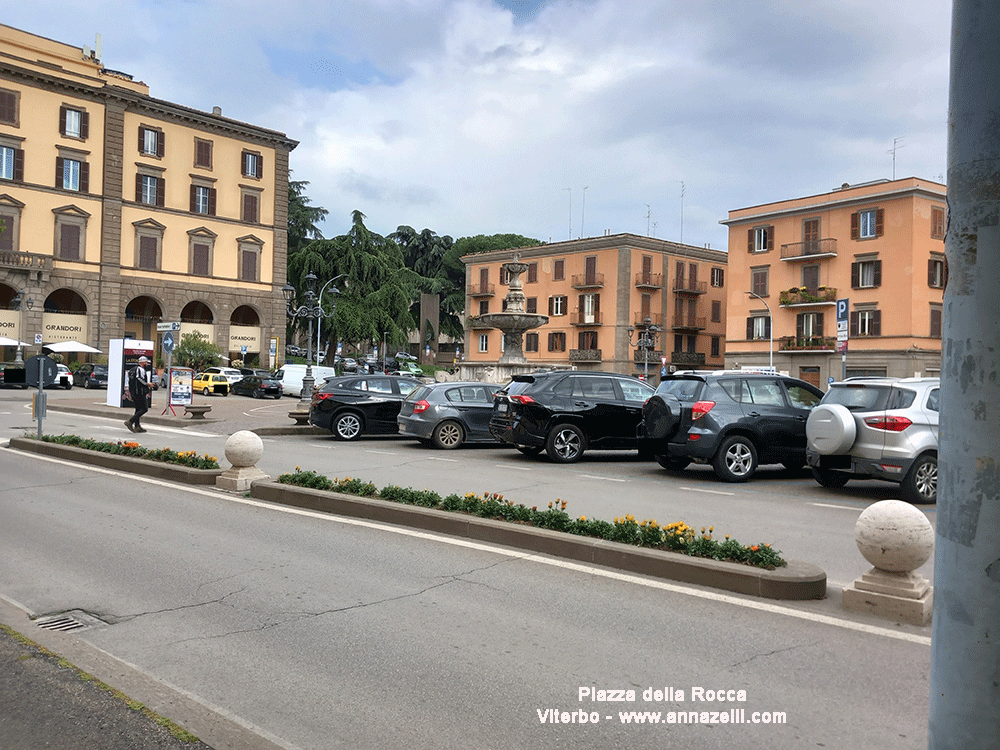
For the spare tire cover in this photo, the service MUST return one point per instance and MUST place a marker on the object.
(661, 416)
(830, 429)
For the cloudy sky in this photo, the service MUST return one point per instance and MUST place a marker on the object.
(548, 118)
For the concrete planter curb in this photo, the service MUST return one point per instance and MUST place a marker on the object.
(158, 469)
(799, 580)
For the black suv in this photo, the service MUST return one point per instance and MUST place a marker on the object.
(733, 420)
(566, 412)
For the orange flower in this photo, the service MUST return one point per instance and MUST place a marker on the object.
(754, 548)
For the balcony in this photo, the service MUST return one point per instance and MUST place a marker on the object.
(640, 357)
(585, 319)
(809, 250)
(25, 261)
(587, 280)
(688, 323)
(639, 319)
(481, 290)
(684, 286)
(809, 343)
(649, 280)
(687, 359)
(800, 296)
(584, 355)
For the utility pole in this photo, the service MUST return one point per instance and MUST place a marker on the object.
(570, 211)
(965, 648)
(583, 211)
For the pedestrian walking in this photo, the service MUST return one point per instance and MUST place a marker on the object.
(139, 389)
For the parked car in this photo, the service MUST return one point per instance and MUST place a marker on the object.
(877, 428)
(733, 420)
(291, 376)
(154, 379)
(64, 378)
(210, 382)
(12, 375)
(257, 386)
(448, 415)
(352, 405)
(346, 364)
(568, 412)
(232, 374)
(91, 376)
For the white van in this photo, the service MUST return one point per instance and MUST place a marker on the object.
(291, 376)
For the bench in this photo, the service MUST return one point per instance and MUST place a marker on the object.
(197, 412)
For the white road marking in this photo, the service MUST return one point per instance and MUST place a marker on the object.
(709, 492)
(606, 479)
(383, 453)
(449, 460)
(760, 606)
(156, 427)
(841, 507)
(514, 468)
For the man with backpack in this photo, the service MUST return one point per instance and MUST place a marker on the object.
(138, 389)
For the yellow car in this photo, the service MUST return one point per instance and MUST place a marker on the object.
(210, 382)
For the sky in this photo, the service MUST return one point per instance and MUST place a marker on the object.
(554, 119)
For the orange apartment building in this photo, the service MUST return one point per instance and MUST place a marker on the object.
(120, 210)
(593, 290)
(877, 245)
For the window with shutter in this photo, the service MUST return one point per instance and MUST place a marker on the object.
(484, 306)
(718, 277)
(935, 323)
(148, 251)
(200, 259)
(248, 265)
(760, 239)
(250, 208)
(531, 304)
(715, 346)
(937, 222)
(532, 273)
(8, 233)
(9, 101)
(558, 270)
(203, 153)
(758, 281)
(69, 242)
(531, 342)
(935, 273)
(716, 311)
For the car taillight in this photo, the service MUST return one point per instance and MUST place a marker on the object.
(317, 397)
(891, 424)
(521, 399)
(700, 409)
(421, 406)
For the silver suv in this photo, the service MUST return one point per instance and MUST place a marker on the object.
(877, 428)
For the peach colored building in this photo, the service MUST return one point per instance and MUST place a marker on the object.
(121, 211)
(877, 245)
(593, 290)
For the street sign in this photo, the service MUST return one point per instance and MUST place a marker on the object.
(168, 342)
(173, 326)
(38, 339)
(663, 360)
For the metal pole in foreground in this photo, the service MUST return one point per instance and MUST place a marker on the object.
(965, 650)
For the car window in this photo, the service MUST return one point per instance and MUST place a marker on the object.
(469, 394)
(379, 385)
(901, 398)
(585, 386)
(634, 390)
(405, 386)
(858, 397)
(766, 392)
(801, 397)
(684, 389)
(418, 393)
(736, 389)
(932, 399)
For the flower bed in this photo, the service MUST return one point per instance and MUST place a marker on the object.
(127, 448)
(675, 537)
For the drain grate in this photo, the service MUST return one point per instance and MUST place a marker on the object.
(68, 622)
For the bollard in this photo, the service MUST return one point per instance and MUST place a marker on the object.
(243, 450)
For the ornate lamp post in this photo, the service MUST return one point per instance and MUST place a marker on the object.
(646, 342)
(770, 329)
(20, 302)
(311, 310)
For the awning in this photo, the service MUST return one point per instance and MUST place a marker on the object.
(70, 346)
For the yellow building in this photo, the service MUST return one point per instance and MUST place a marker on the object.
(879, 246)
(593, 290)
(121, 211)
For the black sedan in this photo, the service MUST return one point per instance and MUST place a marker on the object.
(449, 414)
(257, 386)
(352, 405)
(91, 376)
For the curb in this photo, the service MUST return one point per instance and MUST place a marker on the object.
(157, 469)
(799, 580)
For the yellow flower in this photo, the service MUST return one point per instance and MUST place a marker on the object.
(583, 518)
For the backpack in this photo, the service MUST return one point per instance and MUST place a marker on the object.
(136, 386)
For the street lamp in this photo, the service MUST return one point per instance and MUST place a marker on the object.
(17, 302)
(311, 311)
(646, 342)
(319, 327)
(770, 330)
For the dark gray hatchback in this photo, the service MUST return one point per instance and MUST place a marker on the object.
(733, 420)
(448, 415)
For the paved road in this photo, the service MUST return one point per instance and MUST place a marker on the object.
(324, 632)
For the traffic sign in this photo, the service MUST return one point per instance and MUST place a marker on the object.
(170, 326)
(168, 342)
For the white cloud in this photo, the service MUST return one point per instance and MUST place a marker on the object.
(458, 116)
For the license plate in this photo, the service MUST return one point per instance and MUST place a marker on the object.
(502, 407)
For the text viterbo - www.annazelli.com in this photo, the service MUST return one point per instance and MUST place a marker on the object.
(729, 715)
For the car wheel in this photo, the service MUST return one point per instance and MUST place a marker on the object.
(920, 483)
(258, 393)
(565, 444)
(278, 394)
(347, 426)
(673, 463)
(205, 391)
(86, 385)
(448, 435)
(529, 450)
(69, 385)
(736, 460)
(831, 479)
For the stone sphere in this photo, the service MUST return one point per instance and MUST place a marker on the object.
(894, 536)
(244, 449)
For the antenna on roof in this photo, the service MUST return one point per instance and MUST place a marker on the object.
(892, 151)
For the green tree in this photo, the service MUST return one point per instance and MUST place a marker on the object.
(302, 218)
(425, 253)
(197, 352)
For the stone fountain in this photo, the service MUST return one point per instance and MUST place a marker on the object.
(513, 322)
